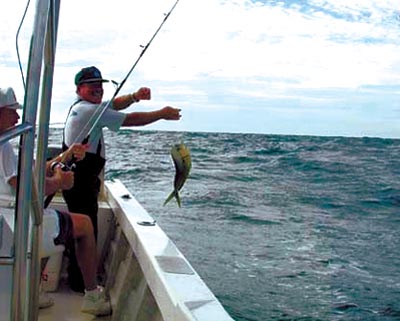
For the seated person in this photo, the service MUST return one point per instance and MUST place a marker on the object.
(58, 227)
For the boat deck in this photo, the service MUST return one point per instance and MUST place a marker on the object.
(67, 307)
(68, 303)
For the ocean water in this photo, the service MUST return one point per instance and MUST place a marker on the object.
(279, 227)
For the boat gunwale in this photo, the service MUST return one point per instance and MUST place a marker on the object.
(150, 243)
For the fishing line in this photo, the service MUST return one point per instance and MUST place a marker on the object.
(94, 119)
(16, 43)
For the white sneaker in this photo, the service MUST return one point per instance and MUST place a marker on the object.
(95, 302)
(45, 300)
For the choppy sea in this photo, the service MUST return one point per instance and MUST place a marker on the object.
(279, 227)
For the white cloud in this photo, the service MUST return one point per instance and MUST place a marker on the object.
(257, 51)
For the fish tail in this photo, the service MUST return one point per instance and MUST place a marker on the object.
(170, 196)
(178, 199)
(173, 194)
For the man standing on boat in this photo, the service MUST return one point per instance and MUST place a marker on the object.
(83, 197)
(58, 227)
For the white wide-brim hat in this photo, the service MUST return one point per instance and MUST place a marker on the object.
(8, 99)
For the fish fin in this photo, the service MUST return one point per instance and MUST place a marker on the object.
(169, 198)
(173, 194)
(178, 198)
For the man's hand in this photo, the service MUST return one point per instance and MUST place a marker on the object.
(143, 93)
(76, 150)
(170, 113)
(65, 179)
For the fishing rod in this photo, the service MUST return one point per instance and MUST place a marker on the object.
(144, 49)
(91, 124)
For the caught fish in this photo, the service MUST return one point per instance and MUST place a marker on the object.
(181, 156)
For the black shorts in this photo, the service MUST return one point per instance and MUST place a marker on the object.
(66, 235)
(83, 197)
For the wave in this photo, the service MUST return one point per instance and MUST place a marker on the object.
(252, 220)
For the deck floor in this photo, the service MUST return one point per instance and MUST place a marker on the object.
(67, 307)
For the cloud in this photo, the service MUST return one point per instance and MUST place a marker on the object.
(228, 53)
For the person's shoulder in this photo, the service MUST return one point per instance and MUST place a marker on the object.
(82, 108)
(84, 103)
(6, 146)
(6, 151)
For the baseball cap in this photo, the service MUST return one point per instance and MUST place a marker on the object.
(8, 99)
(88, 75)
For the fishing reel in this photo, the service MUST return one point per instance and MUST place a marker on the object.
(64, 167)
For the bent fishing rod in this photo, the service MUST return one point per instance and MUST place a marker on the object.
(91, 124)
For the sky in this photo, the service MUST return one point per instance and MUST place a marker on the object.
(316, 67)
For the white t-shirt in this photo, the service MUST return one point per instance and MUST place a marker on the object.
(80, 115)
(8, 169)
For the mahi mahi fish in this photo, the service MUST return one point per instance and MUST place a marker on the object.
(181, 156)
